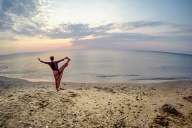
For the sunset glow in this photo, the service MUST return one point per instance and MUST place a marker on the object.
(38, 44)
(41, 25)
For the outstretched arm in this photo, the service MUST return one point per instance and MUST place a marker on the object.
(63, 59)
(43, 61)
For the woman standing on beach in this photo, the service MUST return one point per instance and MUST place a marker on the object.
(57, 72)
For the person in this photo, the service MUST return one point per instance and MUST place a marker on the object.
(57, 72)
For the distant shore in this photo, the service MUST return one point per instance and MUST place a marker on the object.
(90, 105)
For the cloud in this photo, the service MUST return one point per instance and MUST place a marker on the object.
(139, 28)
(10, 9)
(27, 28)
(20, 16)
(80, 30)
(70, 31)
(138, 24)
(4, 36)
(23, 18)
(25, 8)
(119, 37)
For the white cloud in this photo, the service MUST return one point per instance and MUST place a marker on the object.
(28, 18)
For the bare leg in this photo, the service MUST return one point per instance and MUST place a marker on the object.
(57, 85)
(56, 76)
(59, 81)
(61, 70)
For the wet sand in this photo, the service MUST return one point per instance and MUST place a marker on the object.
(25, 104)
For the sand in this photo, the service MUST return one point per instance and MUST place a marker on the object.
(25, 104)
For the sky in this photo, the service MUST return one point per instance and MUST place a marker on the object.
(43, 25)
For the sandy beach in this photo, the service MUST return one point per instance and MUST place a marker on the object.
(25, 104)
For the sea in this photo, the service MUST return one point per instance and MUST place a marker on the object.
(100, 65)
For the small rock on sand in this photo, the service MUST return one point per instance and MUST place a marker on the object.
(159, 121)
(188, 98)
(170, 109)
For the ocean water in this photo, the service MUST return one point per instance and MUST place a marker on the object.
(100, 66)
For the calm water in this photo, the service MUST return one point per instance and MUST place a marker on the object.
(100, 66)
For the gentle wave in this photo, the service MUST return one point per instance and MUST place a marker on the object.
(123, 75)
(165, 78)
(2, 67)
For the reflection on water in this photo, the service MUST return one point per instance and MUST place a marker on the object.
(100, 66)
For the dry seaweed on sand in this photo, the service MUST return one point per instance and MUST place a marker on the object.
(170, 109)
(188, 98)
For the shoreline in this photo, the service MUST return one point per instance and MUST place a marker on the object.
(90, 105)
(141, 80)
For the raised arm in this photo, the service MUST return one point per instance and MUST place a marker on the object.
(43, 61)
(62, 59)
